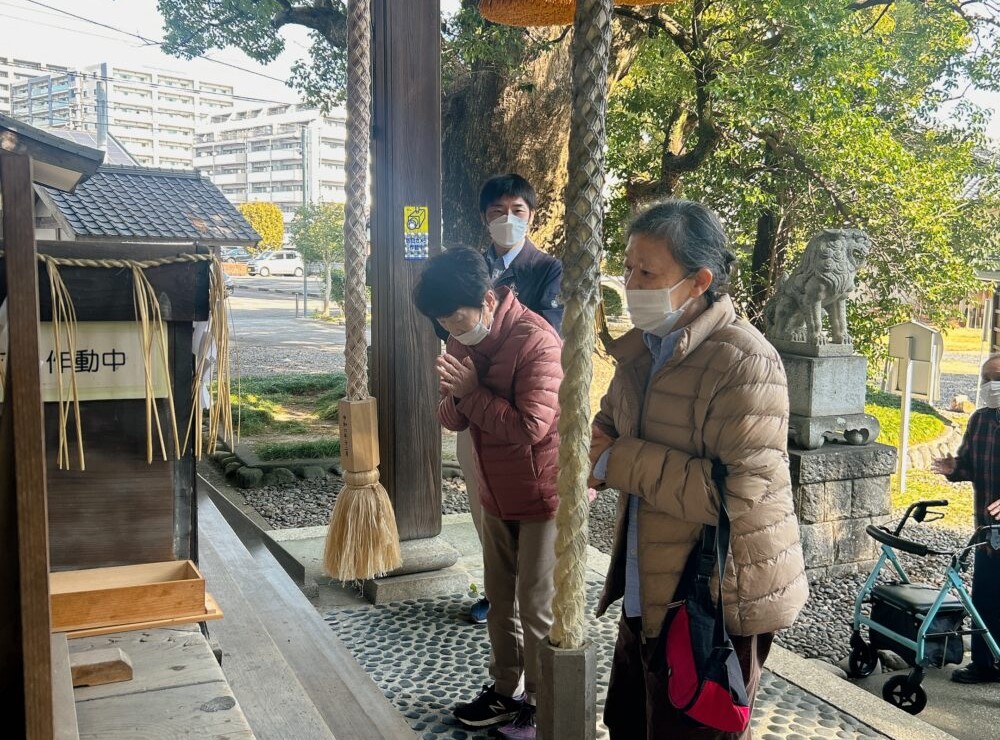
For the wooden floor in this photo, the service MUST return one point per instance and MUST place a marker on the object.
(178, 691)
(291, 675)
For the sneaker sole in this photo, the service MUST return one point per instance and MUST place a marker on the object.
(498, 720)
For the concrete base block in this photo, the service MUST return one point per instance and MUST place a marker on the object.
(416, 585)
(425, 554)
(812, 432)
(826, 386)
(567, 693)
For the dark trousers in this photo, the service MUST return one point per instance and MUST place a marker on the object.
(986, 599)
(637, 707)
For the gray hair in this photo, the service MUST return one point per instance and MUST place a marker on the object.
(693, 233)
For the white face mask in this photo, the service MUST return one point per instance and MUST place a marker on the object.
(476, 334)
(508, 231)
(653, 311)
(990, 393)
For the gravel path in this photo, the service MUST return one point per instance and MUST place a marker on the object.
(250, 360)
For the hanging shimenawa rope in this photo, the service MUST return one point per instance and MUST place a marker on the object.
(153, 339)
(362, 541)
(580, 294)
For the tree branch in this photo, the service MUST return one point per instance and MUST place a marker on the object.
(328, 21)
(774, 143)
(665, 23)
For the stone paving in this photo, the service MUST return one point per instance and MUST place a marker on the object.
(426, 657)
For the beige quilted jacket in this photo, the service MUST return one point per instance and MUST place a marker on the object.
(722, 395)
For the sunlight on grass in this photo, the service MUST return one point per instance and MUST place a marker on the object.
(926, 424)
(922, 485)
(963, 340)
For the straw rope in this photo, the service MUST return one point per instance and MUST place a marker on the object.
(580, 295)
(359, 82)
(154, 341)
(362, 540)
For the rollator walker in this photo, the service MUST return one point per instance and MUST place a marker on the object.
(921, 623)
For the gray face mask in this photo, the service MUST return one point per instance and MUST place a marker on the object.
(990, 393)
(476, 334)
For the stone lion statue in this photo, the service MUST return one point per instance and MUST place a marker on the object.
(822, 281)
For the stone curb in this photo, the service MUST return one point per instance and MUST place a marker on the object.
(920, 456)
(850, 699)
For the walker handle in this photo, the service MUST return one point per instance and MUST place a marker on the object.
(896, 543)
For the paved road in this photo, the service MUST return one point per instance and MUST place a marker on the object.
(279, 284)
(268, 320)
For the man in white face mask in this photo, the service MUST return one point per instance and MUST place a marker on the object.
(978, 461)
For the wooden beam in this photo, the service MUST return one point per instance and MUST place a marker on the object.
(29, 442)
(99, 667)
(406, 64)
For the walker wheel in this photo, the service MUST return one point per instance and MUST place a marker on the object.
(862, 661)
(899, 694)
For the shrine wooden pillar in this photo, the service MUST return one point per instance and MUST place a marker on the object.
(25, 620)
(405, 229)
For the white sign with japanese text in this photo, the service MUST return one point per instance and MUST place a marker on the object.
(107, 361)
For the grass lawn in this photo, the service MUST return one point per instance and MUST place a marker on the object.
(926, 423)
(289, 416)
(923, 485)
(963, 340)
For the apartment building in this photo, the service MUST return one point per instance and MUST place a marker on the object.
(153, 113)
(256, 154)
(14, 71)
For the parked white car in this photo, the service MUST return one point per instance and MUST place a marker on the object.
(280, 262)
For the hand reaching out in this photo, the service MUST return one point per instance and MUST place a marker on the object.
(944, 465)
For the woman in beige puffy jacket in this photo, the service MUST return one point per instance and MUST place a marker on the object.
(694, 383)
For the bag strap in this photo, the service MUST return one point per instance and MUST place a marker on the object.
(716, 542)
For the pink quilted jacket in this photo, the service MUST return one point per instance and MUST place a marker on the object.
(513, 414)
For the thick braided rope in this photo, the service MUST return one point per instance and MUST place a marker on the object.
(581, 267)
(118, 263)
(359, 82)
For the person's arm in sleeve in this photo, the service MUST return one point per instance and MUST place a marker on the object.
(749, 415)
(536, 396)
(449, 416)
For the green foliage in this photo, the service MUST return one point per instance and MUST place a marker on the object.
(612, 301)
(267, 221)
(318, 233)
(819, 113)
(926, 424)
(328, 404)
(293, 384)
(254, 414)
(299, 450)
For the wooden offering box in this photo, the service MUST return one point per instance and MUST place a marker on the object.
(129, 596)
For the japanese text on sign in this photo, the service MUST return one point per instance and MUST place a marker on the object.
(108, 361)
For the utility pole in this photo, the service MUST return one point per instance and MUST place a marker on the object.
(305, 272)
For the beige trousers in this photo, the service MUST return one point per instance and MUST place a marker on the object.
(466, 455)
(518, 559)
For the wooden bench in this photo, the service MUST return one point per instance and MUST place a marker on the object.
(289, 672)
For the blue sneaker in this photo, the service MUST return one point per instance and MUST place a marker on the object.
(479, 610)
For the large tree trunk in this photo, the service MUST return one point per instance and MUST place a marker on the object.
(492, 124)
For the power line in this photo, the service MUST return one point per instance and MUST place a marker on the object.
(37, 22)
(149, 41)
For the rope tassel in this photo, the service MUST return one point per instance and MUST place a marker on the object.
(362, 541)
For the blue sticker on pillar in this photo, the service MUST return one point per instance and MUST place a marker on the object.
(416, 234)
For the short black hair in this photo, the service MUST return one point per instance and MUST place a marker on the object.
(454, 279)
(512, 185)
